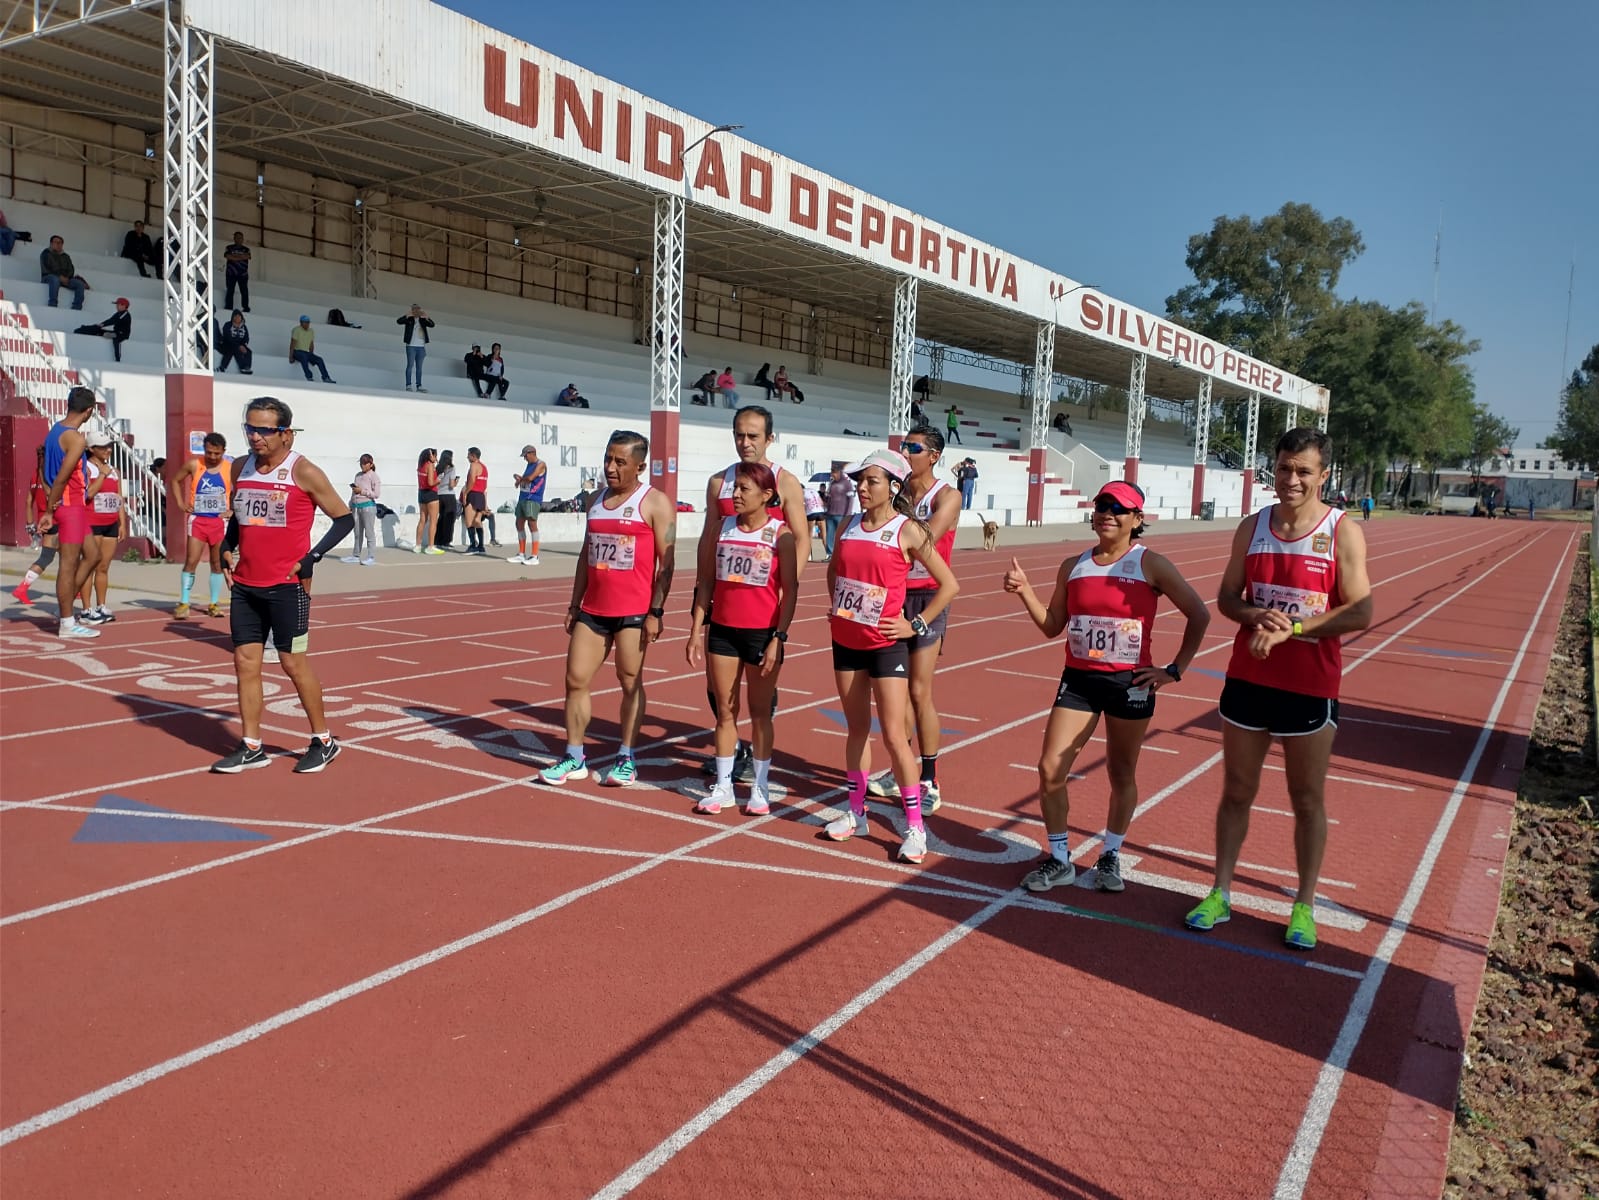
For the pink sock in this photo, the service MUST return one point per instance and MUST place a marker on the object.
(857, 791)
(913, 805)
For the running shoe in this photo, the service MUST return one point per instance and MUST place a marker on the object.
(841, 829)
(1050, 872)
(1301, 934)
(213, 610)
(71, 629)
(104, 615)
(721, 794)
(1212, 911)
(932, 798)
(622, 774)
(567, 768)
(243, 759)
(913, 848)
(94, 616)
(433, 550)
(351, 558)
(369, 562)
(759, 803)
(416, 549)
(181, 611)
(883, 786)
(517, 558)
(1108, 872)
(318, 755)
(532, 560)
(20, 593)
(270, 654)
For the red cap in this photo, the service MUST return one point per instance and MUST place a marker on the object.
(122, 299)
(1124, 493)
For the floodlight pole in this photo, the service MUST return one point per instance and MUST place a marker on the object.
(1201, 443)
(666, 326)
(187, 148)
(1251, 436)
(902, 360)
(1038, 435)
(1135, 417)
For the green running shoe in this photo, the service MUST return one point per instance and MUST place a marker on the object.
(622, 774)
(1301, 933)
(1210, 912)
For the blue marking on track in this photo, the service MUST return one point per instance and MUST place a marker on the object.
(1206, 671)
(115, 822)
(836, 715)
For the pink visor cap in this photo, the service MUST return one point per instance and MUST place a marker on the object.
(1124, 493)
(891, 462)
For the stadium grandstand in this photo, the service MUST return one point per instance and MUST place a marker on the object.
(605, 240)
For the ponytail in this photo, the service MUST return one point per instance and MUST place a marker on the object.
(905, 508)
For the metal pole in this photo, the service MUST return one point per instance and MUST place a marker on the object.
(1201, 444)
(1043, 374)
(902, 360)
(1251, 436)
(1135, 417)
(666, 321)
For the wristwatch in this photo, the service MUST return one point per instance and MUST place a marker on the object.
(1175, 672)
(1298, 628)
(658, 613)
(919, 626)
(780, 636)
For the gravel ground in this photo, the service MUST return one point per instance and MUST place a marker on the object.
(1527, 1118)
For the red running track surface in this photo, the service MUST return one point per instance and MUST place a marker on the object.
(431, 975)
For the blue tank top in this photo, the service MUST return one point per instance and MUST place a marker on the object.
(535, 490)
(54, 456)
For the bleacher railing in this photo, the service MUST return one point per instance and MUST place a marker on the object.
(35, 372)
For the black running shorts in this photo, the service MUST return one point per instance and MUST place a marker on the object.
(1108, 692)
(747, 645)
(282, 611)
(609, 627)
(1272, 710)
(892, 661)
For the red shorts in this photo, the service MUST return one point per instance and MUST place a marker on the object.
(72, 524)
(208, 529)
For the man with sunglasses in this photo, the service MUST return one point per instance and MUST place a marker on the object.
(753, 436)
(938, 506)
(267, 559)
(1295, 584)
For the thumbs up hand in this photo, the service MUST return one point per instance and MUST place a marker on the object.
(1015, 578)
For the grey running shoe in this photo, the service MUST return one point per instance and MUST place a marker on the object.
(243, 759)
(319, 755)
(1108, 872)
(1050, 872)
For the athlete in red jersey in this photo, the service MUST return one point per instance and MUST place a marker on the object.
(108, 523)
(938, 505)
(66, 512)
(427, 503)
(749, 577)
(1105, 601)
(203, 490)
(871, 635)
(618, 598)
(267, 558)
(753, 436)
(38, 505)
(474, 499)
(1296, 583)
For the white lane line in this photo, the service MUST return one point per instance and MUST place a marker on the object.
(391, 632)
(1295, 1174)
(1287, 812)
(757, 1079)
(1181, 852)
(527, 682)
(830, 732)
(501, 649)
(1371, 783)
(1342, 719)
(406, 662)
(188, 662)
(1025, 674)
(463, 603)
(680, 707)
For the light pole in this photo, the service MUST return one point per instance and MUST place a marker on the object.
(703, 136)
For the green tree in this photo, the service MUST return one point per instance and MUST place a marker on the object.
(1491, 437)
(1259, 284)
(1576, 433)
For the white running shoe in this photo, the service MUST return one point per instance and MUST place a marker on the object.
(71, 629)
(932, 798)
(841, 829)
(517, 558)
(914, 847)
(531, 560)
(883, 786)
(270, 654)
(759, 803)
(721, 794)
(369, 562)
(416, 549)
(351, 558)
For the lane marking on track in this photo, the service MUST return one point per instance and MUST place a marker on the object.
(1287, 812)
(490, 646)
(1371, 783)
(680, 707)
(1183, 852)
(1055, 679)
(1295, 1175)
(528, 682)
(408, 662)
(1392, 724)
(391, 632)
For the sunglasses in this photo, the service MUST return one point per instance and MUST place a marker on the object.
(1112, 507)
(912, 447)
(263, 430)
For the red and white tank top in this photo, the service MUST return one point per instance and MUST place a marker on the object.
(39, 495)
(748, 587)
(724, 499)
(1300, 578)
(275, 515)
(621, 557)
(423, 483)
(481, 484)
(1110, 613)
(869, 571)
(920, 577)
(107, 501)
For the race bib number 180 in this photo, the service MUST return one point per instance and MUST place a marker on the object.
(740, 562)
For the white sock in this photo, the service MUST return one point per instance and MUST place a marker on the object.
(27, 580)
(1113, 841)
(763, 768)
(324, 737)
(724, 771)
(1059, 848)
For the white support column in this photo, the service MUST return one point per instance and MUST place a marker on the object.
(666, 362)
(1135, 417)
(1201, 443)
(1251, 436)
(186, 160)
(1321, 420)
(1291, 419)
(902, 358)
(1043, 374)
(362, 254)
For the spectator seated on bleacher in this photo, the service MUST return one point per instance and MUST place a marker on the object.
(921, 386)
(9, 237)
(728, 386)
(119, 325)
(704, 388)
(56, 272)
(476, 360)
(1063, 424)
(763, 379)
(918, 416)
(785, 385)
(302, 350)
(233, 342)
(570, 397)
(140, 250)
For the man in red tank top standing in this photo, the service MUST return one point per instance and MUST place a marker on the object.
(618, 599)
(753, 437)
(267, 559)
(1295, 584)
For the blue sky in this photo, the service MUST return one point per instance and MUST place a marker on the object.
(1094, 139)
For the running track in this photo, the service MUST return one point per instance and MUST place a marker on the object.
(429, 975)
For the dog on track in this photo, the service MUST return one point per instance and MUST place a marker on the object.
(990, 533)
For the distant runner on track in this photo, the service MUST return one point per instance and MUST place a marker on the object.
(1295, 584)
(203, 489)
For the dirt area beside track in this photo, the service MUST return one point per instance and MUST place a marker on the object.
(1528, 1107)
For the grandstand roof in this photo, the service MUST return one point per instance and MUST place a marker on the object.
(535, 141)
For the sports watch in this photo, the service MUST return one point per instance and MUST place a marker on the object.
(919, 626)
(658, 613)
(780, 635)
(1175, 672)
(1298, 628)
